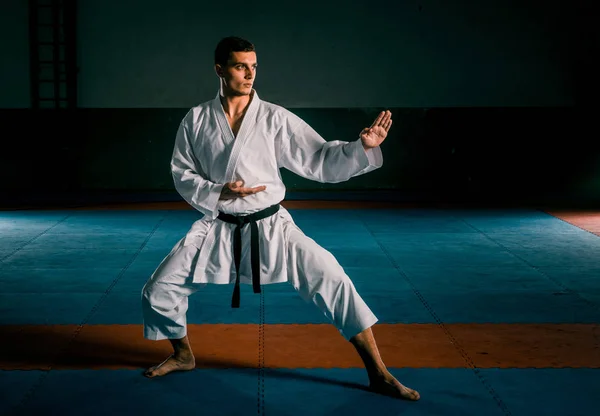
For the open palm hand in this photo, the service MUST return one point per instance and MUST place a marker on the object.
(373, 136)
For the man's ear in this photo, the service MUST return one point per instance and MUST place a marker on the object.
(219, 70)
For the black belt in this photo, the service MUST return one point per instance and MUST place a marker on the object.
(240, 221)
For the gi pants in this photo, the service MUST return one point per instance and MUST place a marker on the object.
(312, 271)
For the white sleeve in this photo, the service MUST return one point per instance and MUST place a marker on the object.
(308, 155)
(200, 193)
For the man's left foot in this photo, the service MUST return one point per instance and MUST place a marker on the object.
(389, 386)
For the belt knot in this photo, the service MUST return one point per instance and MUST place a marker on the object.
(240, 221)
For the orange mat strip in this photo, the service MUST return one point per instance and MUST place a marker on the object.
(586, 220)
(305, 346)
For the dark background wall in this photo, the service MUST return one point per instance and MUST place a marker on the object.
(492, 101)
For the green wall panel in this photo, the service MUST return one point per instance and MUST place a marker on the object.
(502, 153)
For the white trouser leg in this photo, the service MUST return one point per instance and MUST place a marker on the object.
(318, 277)
(165, 294)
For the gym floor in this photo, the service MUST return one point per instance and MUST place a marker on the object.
(483, 311)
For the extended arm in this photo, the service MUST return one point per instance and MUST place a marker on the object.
(308, 155)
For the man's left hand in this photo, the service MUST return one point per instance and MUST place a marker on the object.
(373, 136)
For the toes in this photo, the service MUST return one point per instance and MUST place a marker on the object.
(395, 389)
(413, 395)
(151, 372)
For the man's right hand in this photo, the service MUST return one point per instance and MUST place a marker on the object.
(233, 190)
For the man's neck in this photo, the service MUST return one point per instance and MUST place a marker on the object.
(235, 106)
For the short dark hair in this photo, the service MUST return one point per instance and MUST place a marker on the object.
(228, 45)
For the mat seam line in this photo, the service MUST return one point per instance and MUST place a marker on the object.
(558, 283)
(31, 392)
(3, 259)
(447, 332)
(43, 375)
(570, 223)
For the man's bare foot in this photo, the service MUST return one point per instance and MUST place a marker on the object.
(170, 365)
(389, 386)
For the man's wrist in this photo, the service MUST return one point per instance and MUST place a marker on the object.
(364, 145)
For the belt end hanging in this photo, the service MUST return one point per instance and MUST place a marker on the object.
(235, 300)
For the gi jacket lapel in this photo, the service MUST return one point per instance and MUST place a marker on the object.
(246, 128)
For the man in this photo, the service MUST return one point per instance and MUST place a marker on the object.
(225, 164)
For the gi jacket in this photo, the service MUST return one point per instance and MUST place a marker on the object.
(207, 155)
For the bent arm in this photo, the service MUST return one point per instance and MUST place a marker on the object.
(200, 193)
(308, 155)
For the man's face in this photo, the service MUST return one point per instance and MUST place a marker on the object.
(239, 73)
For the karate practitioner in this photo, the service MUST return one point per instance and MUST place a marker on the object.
(225, 164)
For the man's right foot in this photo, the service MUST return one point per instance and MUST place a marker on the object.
(170, 365)
(388, 385)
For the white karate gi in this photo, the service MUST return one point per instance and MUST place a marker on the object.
(206, 155)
